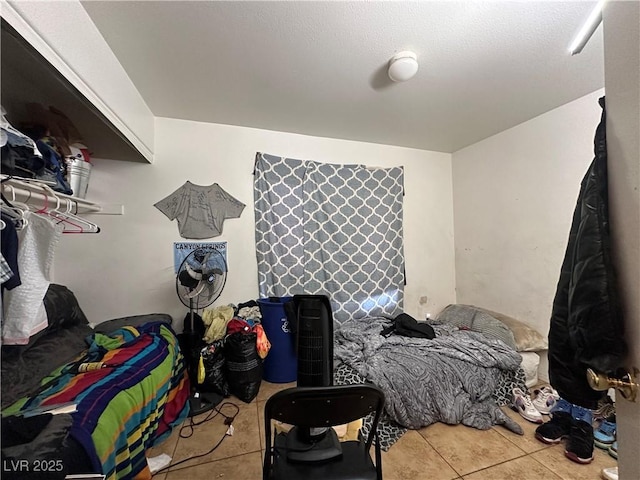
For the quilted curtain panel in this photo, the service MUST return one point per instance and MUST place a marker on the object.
(333, 230)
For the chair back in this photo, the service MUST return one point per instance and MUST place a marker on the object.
(317, 407)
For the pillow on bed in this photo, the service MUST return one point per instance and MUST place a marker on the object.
(527, 339)
(473, 318)
(133, 321)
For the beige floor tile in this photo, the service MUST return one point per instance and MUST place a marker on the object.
(526, 442)
(523, 468)
(167, 447)
(468, 449)
(267, 389)
(438, 452)
(246, 437)
(553, 458)
(260, 406)
(242, 467)
(412, 458)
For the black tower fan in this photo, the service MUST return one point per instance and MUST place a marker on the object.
(314, 341)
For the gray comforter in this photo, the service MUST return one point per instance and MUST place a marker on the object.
(448, 379)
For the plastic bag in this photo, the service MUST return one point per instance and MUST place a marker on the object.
(262, 342)
(243, 365)
(215, 378)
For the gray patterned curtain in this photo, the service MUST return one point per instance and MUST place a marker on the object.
(330, 229)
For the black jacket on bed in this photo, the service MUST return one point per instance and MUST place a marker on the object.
(586, 329)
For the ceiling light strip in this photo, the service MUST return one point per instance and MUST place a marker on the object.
(587, 30)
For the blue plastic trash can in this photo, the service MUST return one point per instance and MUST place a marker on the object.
(281, 364)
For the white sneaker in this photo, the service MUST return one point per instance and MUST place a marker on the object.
(522, 404)
(545, 399)
(610, 473)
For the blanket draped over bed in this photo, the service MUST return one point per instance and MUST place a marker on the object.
(449, 379)
(123, 409)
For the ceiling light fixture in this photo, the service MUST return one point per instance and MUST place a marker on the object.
(587, 30)
(403, 66)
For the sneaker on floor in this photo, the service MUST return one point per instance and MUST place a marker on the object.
(580, 444)
(555, 429)
(545, 399)
(613, 449)
(605, 434)
(606, 408)
(610, 473)
(522, 404)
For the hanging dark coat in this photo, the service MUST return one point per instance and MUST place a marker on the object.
(586, 329)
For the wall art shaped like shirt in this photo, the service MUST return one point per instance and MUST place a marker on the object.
(200, 210)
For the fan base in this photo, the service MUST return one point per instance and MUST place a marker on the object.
(203, 402)
(304, 448)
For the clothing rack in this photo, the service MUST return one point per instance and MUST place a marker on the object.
(38, 194)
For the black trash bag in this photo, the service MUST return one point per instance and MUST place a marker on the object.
(243, 365)
(215, 377)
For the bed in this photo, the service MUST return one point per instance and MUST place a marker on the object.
(121, 410)
(463, 375)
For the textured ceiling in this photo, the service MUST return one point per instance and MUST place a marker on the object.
(319, 68)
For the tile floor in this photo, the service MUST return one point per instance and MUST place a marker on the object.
(437, 452)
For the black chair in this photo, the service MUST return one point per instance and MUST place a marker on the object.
(315, 408)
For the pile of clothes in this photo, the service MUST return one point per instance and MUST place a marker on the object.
(42, 149)
(234, 344)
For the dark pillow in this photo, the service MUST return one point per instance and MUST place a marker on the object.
(63, 310)
(134, 321)
(22, 374)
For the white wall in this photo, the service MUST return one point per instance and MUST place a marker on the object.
(514, 195)
(128, 267)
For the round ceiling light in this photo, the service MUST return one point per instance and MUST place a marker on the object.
(403, 66)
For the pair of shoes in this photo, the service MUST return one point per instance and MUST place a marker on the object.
(556, 429)
(610, 473)
(522, 404)
(605, 434)
(580, 444)
(579, 433)
(605, 409)
(545, 399)
(613, 450)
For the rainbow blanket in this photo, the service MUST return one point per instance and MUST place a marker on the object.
(127, 407)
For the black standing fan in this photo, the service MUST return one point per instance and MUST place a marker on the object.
(314, 346)
(199, 282)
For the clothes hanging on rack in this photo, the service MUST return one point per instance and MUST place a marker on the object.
(24, 313)
(9, 247)
(5, 270)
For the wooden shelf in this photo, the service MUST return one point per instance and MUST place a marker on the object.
(27, 77)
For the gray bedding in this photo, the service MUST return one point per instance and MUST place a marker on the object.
(449, 379)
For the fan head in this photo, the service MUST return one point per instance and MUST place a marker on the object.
(201, 278)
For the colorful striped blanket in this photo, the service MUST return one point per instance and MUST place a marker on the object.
(126, 407)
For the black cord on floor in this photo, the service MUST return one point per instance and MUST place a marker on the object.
(228, 420)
